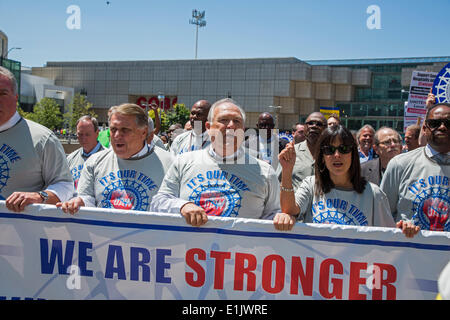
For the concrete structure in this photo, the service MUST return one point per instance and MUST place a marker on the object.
(299, 87)
(34, 88)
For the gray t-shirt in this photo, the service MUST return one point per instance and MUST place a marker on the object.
(108, 181)
(346, 207)
(240, 190)
(76, 162)
(31, 160)
(417, 188)
(188, 141)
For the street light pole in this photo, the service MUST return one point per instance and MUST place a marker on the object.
(198, 18)
(18, 48)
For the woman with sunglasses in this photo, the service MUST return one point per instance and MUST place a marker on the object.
(337, 193)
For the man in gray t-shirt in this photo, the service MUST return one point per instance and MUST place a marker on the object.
(33, 166)
(87, 134)
(223, 180)
(416, 183)
(127, 175)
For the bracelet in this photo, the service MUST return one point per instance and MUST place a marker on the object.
(286, 189)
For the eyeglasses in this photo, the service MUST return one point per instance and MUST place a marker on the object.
(390, 141)
(436, 123)
(315, 123)
(343, 149)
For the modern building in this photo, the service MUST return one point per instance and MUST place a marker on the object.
(366, 91)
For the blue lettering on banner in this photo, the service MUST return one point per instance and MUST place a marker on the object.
(431, 205)
(139, 260)
(337, 211)
(54, 252)
(64, 257)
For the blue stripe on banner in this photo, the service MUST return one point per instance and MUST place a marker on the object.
(227, 232)
(329, 108)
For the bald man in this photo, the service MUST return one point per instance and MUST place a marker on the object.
(197, 138)
(265, 145)
(304, 163)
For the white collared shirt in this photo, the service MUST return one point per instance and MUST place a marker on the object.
(11, 122)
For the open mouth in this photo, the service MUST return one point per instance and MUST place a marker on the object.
(337, 164)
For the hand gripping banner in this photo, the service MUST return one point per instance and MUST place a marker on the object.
(118, 254)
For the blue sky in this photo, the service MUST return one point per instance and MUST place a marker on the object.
(160, 30)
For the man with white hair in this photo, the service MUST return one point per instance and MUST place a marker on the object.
(223, 179)
(33, 166)
(127, 175)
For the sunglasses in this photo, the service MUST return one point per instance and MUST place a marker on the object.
(315, 123)
(436, 123)
(330, 150)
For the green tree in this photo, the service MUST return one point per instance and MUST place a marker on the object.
(47, 113)
(79, 107)
(178, 114)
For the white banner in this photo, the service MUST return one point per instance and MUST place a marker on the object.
(112, 254)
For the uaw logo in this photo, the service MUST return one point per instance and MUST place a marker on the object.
(4, 174)
(218, 199)
(337, 211)
(76, 173)
(431, 209)
(125, 194)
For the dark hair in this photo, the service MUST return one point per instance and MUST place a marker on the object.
(324, 184)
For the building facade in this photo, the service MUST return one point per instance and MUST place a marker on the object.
(366, 91)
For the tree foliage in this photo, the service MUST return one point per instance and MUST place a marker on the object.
(45, 112)
(79, 107)
(178, 114)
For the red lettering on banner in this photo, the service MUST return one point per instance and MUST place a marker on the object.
(190, 261)
(273, 275)
(306, 277)
(356, 281)
(240, 269)
(267, 276)
(324, 279)
(220, 258)
(391, 277)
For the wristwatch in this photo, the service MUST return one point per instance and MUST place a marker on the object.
(44, 196)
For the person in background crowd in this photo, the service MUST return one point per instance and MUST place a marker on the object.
(431, 100)
(337, 193)
(388, 144)
(87, 134)
(127, 175)
(152, 138)
(364, 137)
(333, 120)
(412, 137)
(197, 138)
(417, 182)
(187, 126)
(223, 179)
(264, 145)
(173, 131)
(299, 133)
(33, 166)
(304, 163)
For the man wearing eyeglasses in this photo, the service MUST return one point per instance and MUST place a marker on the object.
(388, 144)
(417, 183)
(304, 163)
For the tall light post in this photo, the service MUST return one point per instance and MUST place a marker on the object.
(198, 18)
